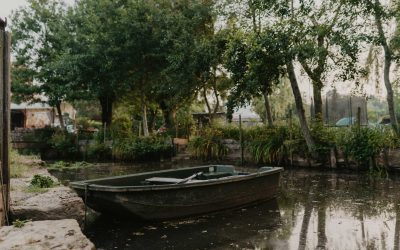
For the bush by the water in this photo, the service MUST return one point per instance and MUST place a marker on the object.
(64, 144)
(364, 145)
(267, 145)
(100, 151)
(209, 145)
(41, 181)
(143, 148)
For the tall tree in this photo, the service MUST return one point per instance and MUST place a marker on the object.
(210, 74)
(41, 32)
(256, 64)
(104, 52)
(382, 15)
(184, 25)
(325, 30)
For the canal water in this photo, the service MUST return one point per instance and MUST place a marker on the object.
(314, 210)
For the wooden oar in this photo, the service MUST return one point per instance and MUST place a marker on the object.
(190, 178)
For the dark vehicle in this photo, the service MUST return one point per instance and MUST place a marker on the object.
(178, 193)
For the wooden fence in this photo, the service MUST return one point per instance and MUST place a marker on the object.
(5, 82)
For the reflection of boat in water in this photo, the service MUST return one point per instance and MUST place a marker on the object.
(247, 228)
(179, 192)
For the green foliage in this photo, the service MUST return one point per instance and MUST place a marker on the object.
(121, 128)
(19, 223)
(268, 144)
(18, 166)
(143, 148)
(209, 145)
(365, 144)
(60, 165)
(40, 37)
(324, 138)
(85, 123)
(64, 143)
(41, 181)
(184, 122)
(40, 135)
(100, 151)
(230, 131)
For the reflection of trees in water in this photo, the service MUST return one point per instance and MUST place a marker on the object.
(358, 196)
(322, 215)
(308, 207)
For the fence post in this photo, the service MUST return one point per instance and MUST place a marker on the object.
(241, 140)
(5, 45)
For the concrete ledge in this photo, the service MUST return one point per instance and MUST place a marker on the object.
(50, 234)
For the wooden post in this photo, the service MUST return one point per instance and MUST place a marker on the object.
(351, 112)
(290, 137)
(326, 110)
(358, 118)
(2, 91)
(5, 45)
(241, 140)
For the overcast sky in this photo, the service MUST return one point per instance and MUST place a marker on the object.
(6, 6)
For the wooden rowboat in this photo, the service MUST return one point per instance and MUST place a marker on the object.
(179, 192)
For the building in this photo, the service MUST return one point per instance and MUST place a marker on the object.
(38, 115)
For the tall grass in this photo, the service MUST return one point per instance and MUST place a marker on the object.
(209, 145)
(19, 164)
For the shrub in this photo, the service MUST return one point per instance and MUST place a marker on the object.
(143, 148)
(19, 223)
(267, 145)
(100, 151)
(85, 123)
(324, 138)
(41, 181)
(18, 166)
(209, 145)
(230, 132)
(64, 143)
(365, 144)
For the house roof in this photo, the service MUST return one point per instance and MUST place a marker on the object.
(25, 105)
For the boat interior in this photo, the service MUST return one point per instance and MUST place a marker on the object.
(178, 176)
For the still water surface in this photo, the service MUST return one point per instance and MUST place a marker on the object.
(314, 210)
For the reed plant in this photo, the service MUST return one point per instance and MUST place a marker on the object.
(208, 145)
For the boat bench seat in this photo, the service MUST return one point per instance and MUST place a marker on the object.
(167, 180)
(214, 175)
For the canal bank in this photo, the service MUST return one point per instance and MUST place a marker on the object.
(42, 218)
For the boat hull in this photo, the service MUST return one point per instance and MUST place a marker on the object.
(174, 201)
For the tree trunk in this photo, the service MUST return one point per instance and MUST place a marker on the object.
(317, 102)
(106, 104)
(215, 93)
(152, 119)
(168, 114)
(206, 100)
(268, 114)
(300, 109)
(144, 120)
(386, 69)
(60, 115)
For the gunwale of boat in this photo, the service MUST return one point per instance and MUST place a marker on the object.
(89, 184)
